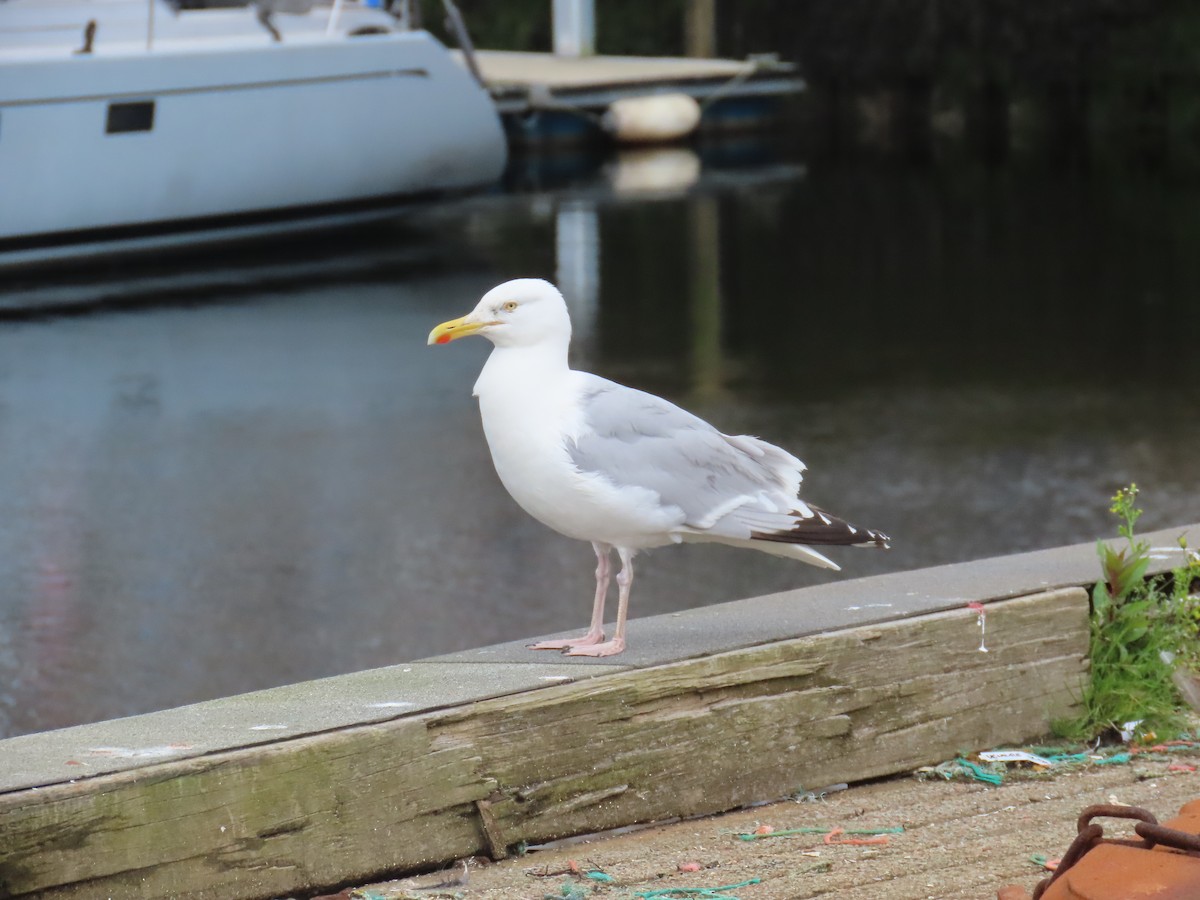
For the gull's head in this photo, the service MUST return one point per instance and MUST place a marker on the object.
(520, 313)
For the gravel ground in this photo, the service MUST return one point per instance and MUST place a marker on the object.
(960, 840)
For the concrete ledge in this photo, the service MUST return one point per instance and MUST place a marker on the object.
(353, 778)
(859, 601)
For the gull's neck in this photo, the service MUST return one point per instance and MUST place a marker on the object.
(540, 366)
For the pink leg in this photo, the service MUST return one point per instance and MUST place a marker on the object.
(624, 583)
(595, 633)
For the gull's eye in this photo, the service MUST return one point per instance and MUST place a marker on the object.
(510, 306)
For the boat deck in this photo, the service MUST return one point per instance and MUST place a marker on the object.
(526, 82)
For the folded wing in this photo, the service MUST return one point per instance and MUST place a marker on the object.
(730, 489)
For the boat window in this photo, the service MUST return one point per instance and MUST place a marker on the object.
(124, 117)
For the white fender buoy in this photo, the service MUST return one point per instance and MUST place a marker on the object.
(655, 119)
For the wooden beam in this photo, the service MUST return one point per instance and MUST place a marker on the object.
(694, 736)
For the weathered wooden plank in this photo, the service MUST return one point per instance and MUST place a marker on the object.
(269, 716)
(696, 735)
(258, 822)
(713, 733)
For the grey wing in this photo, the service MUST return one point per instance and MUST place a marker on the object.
(733, 488)
(637, 439)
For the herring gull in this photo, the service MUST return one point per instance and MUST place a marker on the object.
(622, 468)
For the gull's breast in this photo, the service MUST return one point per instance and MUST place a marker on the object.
(528, 439)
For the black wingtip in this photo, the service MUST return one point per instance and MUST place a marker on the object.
(816, 527)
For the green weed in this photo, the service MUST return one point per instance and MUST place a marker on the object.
(1140, 629)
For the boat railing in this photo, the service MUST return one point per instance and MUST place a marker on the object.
(84, 27)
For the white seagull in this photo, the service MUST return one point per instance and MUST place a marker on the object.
(624, 469)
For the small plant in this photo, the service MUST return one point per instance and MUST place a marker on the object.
(1185, 595)
(1139, 628)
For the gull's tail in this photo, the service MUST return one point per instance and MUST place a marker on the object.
(811, 526)
(794, 534)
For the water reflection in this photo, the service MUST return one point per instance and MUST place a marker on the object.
(258, 473)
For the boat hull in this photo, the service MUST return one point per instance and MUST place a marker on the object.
(132, 141)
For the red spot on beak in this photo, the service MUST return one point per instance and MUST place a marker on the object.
(444, 339)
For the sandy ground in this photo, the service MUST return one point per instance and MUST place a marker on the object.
(960, 840)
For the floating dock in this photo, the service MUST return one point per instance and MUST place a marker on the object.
(364, 776)
(544, 98)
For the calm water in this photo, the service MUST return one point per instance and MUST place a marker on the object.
(245, 470)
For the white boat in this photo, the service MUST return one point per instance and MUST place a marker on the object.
(157, 125)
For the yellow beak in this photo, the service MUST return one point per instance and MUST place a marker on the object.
(454, 329)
